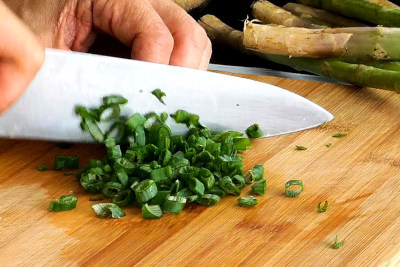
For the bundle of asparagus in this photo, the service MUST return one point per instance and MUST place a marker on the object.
(362, 55)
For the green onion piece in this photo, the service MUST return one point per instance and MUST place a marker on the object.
(123, 198)
(123, 178)
(66, 202)
(324, 208)
(159, 94)
(124, 164)
(159, 198)
(246, 202)
(161, 174)
(108, 210)
(242, 144)
(114, 152)
(191, 198)
(207, 178)
(328, 145)
(135, 121)
(174, 204)
(145, 190)
(66, 162)
(228, 186)
(94, 129)
(256, 174)
(114, 100)
(43, 168)
(300, 147)
(339, 135)
(151, 211)
(239, 181)
(293, 188)
(208, 200)
(254, 131)
(182, 116)
(111, 189)
(196, 186)
(219, 138)
(260, 187)
(96, 198)
(337, 244)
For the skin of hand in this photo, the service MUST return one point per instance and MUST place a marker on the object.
(156, 30)
(21, 56)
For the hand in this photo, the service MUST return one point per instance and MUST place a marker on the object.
(155, 30)
(21, 56)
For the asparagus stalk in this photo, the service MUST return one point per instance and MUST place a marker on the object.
(357, 74)
(377, 43)
(360, 9)
(268, 13)
(383, 3)
(320, 16)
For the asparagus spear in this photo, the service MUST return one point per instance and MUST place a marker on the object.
(320, 16)
(383, 3)
(360, 9)
(367, 43)
(267, 13)
(357, 74)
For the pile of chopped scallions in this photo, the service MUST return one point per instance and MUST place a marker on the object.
(149, 167)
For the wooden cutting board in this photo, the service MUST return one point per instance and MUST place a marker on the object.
(359, 175)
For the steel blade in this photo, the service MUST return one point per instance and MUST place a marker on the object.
(223, 102)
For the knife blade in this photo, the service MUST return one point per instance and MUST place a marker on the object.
(223, 102)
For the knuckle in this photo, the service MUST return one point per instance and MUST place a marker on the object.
(163, 37)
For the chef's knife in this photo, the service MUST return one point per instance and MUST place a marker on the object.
(223, 102)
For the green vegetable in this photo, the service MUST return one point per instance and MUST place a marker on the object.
(328, 145)
(43, 168)
(254, 131)
(159, 94)
(337, 244)
(339, 135)
(300, 147)
(148, 167)
(66, 162)
(324, 208)
(151, 211)
(293, 188)
(259, 187)
(66, 202)
(246, 202)
(108, 210)
(173, 204)
(256, 174)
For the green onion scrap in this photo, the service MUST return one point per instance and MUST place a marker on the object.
(159, 94)
(293, 188)
(65, 202)
(43, 168)
(259, 187)
(337, 244)
(339, 135)
(247, 202)
(66, 162)
(146, 166)
(300, 147)
(323, 208)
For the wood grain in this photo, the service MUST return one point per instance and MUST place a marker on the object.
(359, 175)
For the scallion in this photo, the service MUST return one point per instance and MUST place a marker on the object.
(108, 210)
(65, 202)
(246, 202)
(293, 188)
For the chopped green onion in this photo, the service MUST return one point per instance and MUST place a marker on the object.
(256, 174)
(111, 189)
(114, 99)
(300, 147)
(324, 208)
(174, 204)
(96, 198)
(259, 187)
(145, 190)
(124, 164)
(123, 198)
(337, 244)
(196, 186)
(43, 168)
(108, 210)
(246, 202)
(159, 94)
(66, 162)
(208, 200)
(328, 145)
(241, 144)
(239, 181)
(151, 211)
(94, 129)
(228, 186)
(182, 116)
(339, 135)
(254, 131)
(293, 188)
(114, 152)
(159, 198)
(135, 121)
(161, 174)
(66, 202)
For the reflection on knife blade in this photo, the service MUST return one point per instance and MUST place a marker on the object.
(274, 73)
